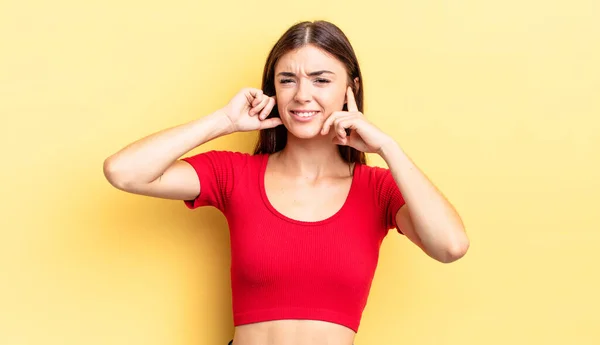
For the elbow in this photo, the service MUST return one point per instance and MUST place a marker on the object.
(113, 174)
(455, 250)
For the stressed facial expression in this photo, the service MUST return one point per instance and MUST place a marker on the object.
(310, 84)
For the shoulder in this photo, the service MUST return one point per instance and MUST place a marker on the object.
(223, 154)
(372, 174)
(235, 158)
(376, 181)
(224, 163)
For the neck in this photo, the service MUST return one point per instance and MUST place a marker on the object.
(312, 158)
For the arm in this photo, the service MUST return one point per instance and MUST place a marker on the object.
(427, 218)
(150, 166)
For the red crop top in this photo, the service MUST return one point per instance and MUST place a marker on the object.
(283, 268)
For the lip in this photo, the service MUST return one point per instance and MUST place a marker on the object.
(304, 118)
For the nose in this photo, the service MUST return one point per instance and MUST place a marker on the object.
(303, 92)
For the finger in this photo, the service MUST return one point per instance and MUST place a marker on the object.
(338, 141)
(267, 109)
(351, 100)
(253, 100)
(264, 100)
(340, 129)
(258, 96)
(270, 123)
(251, 94)
(257, 101)
(329, 122)
(254, 91)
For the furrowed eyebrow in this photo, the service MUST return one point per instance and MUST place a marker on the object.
(311, 74)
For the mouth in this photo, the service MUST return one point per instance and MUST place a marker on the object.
(304, 115)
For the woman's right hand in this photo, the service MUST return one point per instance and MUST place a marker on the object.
(248, 111)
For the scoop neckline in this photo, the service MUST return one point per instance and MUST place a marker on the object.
(267, 202)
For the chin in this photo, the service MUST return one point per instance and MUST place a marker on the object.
(305, 132)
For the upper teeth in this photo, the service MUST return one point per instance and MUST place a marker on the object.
(305, 113)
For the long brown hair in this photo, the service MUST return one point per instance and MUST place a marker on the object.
(329, 38)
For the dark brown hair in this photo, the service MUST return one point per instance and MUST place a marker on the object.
(329, 38)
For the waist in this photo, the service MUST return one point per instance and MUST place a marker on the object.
(293, 332)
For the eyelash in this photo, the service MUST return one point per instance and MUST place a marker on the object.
(285, 81)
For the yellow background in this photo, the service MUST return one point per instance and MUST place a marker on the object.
(496, 101)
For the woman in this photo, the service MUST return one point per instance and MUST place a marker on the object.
(306, 214)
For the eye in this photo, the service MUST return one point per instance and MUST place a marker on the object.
(322, 81)
(286, 81)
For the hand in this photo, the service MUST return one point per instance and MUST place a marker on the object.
(364, 136)
(248, 111)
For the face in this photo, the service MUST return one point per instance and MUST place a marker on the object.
(309, 86)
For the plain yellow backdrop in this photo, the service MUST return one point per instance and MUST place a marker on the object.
(496, 101)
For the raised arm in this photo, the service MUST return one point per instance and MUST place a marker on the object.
(150, 166)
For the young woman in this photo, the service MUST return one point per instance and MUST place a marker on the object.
(306, 214)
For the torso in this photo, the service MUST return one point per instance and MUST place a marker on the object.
(309, 201)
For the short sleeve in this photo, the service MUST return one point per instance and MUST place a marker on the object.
(217, 171)
(389, 196)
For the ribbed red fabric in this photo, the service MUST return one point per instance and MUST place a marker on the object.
(283, 268)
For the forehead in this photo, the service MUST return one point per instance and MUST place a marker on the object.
(307, 59)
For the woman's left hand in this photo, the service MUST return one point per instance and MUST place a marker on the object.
(364, 136)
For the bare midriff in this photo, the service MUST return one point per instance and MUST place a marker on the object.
(293, 332)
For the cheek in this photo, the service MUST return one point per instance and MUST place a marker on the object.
(332, 100)
(283, 95)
